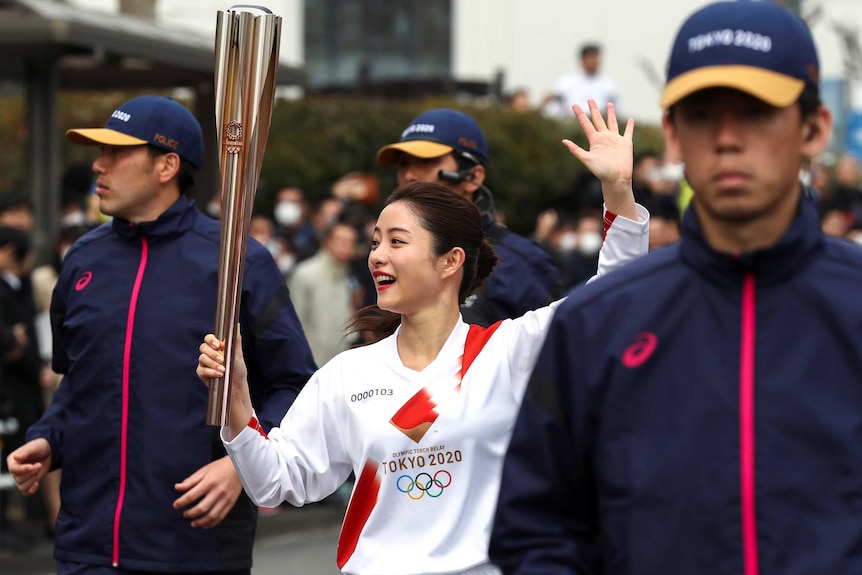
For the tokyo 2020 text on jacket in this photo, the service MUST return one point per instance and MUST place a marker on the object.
(696, 412)
(131, 307)
(425, 446)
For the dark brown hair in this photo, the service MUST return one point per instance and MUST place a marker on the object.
(453, 221)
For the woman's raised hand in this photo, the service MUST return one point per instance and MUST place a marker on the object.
(610, 156)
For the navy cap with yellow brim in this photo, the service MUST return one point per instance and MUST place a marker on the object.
(754, 46)
(156, 120)
(97, 136)
(773, 88)
(388, 155)
(436, 133)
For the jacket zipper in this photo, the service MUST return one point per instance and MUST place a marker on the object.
(124, 426)
(746, 427)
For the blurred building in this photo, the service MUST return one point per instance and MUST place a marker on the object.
(58, 45)
(488, 46)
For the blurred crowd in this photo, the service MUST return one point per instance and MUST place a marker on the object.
(28, 383)
(321, 246)
(838, 189)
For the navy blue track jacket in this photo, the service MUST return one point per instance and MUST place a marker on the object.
(131, 307)
(696, 412)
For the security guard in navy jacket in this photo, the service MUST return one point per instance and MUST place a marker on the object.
(146, 484)
(700, 410)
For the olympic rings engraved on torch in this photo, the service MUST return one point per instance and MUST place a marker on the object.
(424, 484)
(233, 132)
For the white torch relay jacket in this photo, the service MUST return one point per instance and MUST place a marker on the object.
(426, 447)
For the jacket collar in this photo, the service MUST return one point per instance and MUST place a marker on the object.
(770, 265)
(175, 221)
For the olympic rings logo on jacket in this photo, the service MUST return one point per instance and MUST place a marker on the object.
(424, 484)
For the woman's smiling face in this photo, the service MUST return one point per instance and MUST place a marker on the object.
(402, 261)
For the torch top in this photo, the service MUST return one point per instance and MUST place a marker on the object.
(244, 7)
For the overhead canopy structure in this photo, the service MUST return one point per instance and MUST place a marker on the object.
(52, 46)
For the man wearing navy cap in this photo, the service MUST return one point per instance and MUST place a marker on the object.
(146, 485)
(699, 411)
(448, 147)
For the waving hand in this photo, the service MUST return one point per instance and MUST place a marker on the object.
(609, 156)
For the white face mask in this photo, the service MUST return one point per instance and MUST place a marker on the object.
(568, 242)
(287, 213)
(589, 243)
(273, 247)
(74, 219)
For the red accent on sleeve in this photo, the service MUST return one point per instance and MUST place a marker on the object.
(609, 220)
(255, 424)
(361, 505)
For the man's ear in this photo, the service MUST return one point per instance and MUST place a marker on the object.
(475, 179)
(168, 166)
(818, 132)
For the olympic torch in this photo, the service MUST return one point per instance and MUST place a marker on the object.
(246, 63)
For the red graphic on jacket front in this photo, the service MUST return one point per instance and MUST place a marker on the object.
(415, 417)
(83, 281)
(641, 350)
(362, 503)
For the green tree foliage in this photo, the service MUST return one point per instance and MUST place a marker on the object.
(314, 141)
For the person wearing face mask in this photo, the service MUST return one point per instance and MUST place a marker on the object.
(290, 215)
(575, 249)
(262, 228)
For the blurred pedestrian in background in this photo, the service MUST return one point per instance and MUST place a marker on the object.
(291, 215)
(579, 86)
(323, 291)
